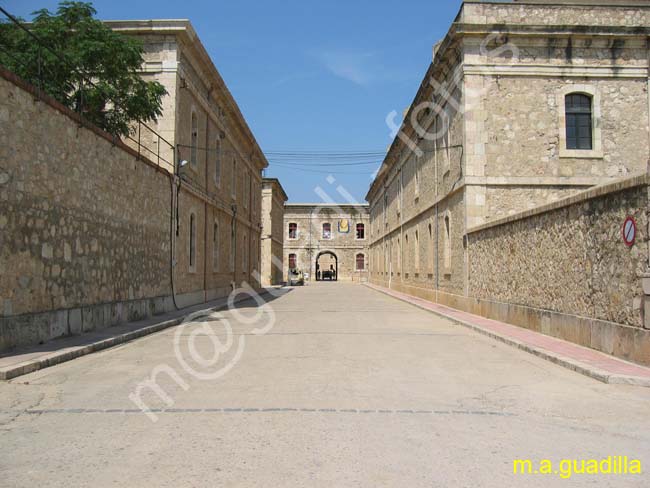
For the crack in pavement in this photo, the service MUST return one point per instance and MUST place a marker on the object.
(258, 410)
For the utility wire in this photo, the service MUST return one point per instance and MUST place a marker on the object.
(311, 165)
(308, 170)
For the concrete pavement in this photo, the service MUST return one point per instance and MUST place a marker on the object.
(349, 387)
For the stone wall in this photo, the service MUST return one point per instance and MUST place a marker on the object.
(83, 223)
(273, 200)
(566, 271)
(570, 259)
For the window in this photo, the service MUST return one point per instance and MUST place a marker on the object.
(578, 121)
(361, 231)
(247, 188)
(399, 193)
(254, 194)
(233, 183)
(215, 246)
(417, 177)
(293, 231)
(578, 107)
(399, 255)
(407, 267)
(244, 258)
(217, 163)
(447, 248)
(327, 231)
(192, 241)
(194, 139)
(361, 262)
(386, 258)
(292, 261)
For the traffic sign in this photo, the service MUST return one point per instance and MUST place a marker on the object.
(629, 231)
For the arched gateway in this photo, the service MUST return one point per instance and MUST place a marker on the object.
(327, 266)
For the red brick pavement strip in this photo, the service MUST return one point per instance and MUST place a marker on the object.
(588, 362)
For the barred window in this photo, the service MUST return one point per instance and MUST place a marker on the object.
(194, 139)
(327, 231)
(293, 231)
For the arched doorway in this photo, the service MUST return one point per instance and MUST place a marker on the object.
(327, 266)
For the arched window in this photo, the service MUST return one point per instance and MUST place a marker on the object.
(327, 231)
(194, 140)
(247, 188)
(215, 246)
(217, 163)
(192, 237)
(361, 262)
(245, 254)
(292, 261)
(399, 255)
(361, 231)
(293, 230)
(578, 121)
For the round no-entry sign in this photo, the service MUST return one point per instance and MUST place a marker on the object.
(629, 231)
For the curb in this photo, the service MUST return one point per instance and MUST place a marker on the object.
(62, 357)
(560, 360)
(55, 358)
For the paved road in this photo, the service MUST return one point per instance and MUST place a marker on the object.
(348, 388)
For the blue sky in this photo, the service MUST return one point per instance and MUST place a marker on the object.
(307, 75)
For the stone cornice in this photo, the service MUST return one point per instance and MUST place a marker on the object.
(599, 191)
(183, 30)
(459, 32)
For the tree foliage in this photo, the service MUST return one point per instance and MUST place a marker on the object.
(86, 49)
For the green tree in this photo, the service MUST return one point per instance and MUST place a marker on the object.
(87, 50)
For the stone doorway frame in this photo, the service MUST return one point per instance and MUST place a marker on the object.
(336, 266)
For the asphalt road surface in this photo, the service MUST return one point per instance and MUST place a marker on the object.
(328, 385)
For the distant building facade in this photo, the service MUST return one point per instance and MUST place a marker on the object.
(327, 241)
(273, 200)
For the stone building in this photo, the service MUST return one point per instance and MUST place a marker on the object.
(220, 209)
(122, 234)
(524, 104)
(273, 200)
(320, 239)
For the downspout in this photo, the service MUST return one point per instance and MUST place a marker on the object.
(173, 210)
(648, 166)
(436, 223)
(401, 224)
(205, 206)
(311, 251)
(648, 93)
